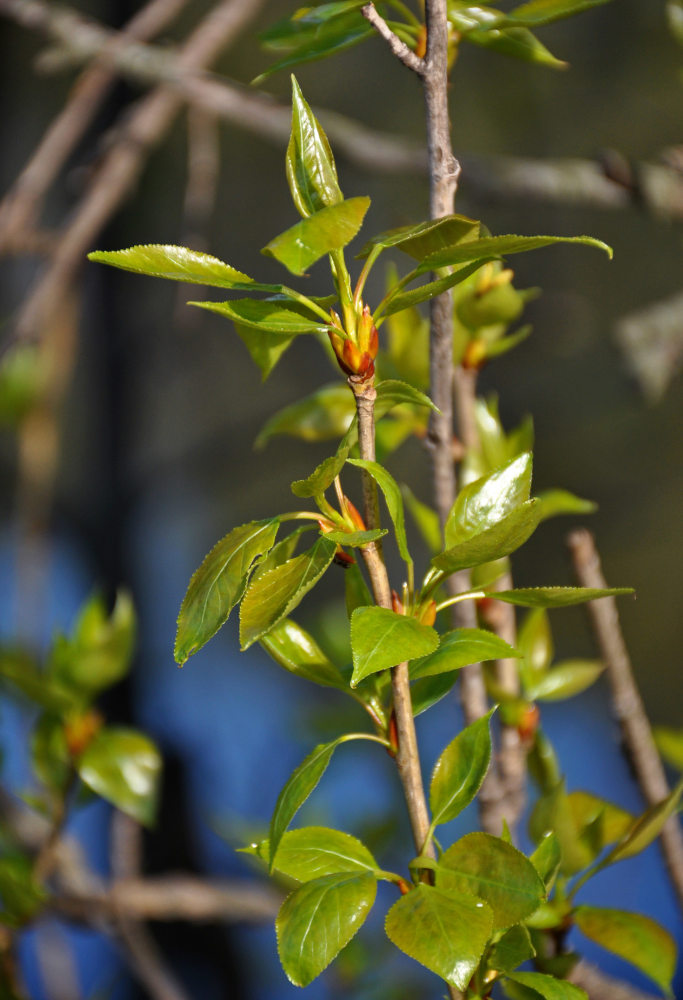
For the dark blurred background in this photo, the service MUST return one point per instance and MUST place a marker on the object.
(156, 458)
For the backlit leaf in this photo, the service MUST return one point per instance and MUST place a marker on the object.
(356, 538)
(271, 316)
(443, 930)
(381, 638)
(647, 827)
(218, 584)
(548, 987)
(322, 40)
(501, 246)
(297, 651)
(519, 43)
(565, 680)
(326, 413)
(265, 347)
(460, 771)
(394, 501)
(554, 502)
(504, 537)
(311, 171)
(426, 237)
(513, 948)
(496, 872)
(488, 500)
(670, 745)
(634, 937)
(587, 809)
(459, 648)
(546, 859)
(392, 392)
(98, 652)
(557, 597)
(539, 12)
(124, 767)
(176, 263)
(535, 641)
(315, 851)
(330, 228)
(317, 920)
(398, 300)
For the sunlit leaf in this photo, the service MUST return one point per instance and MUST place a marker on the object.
(502, 538)
(326, 413)
(265, 348)
(548, 987)
(356, 538)
(554, 502)
(557, 597)
(546, 859)
(271, 316)
(513, 948)
(392, 392)
(311, 170)
(565, 680)
(520, 43)
(318, 41)
(670, 745)
(552, 813)
(393, 498)
(539, 12)
(501, 246)
(176, 263)
(587, 809)
(426, 237)
(219, 583)
(634, 937)
(297, 651)
(459, 648)
(98, 653)
(647, 827)
(328, 229)
(124, 767)
(488, 500)
(398, 300)
(444, 930)
(429, 690)
(381, 638)
(460, 771)
(315, 851)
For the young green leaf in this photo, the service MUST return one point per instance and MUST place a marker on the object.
(647, 827)
(317, 920)
(502, 538)
(546, 859)
(548, 987)
(552, 812)
(326, 413)
(266, 315)
(99, 651)
(557, 597)
(565, 680)
(297, 651)
(459, 648)
(394, 501)
(445, 931)
(324, 474)
(429, 690)
(273, 595)
(124, 767)
(315, 851)
(535, 641)
(520, 43)
(175, 263)
(392, 392)
(554, 502)
(513, 948)
(488, 500)
(219, 583)
(327, 230)
(381, 638)
(588, 809)
(265, 347)
(356, 538)
(397, 300)
(634, 937)
(540, 12)
(19, 668)
(460, 771)
(670, 744)
(500, 246)
(310, 166)
(494, 871)
(426, 237)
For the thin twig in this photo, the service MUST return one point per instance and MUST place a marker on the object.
(398, 47)
(627, 703)
(600, 986)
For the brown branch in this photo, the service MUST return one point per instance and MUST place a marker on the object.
(627, 703)
(600, 986)
(399, 48)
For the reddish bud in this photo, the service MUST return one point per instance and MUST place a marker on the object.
(427, 613)
(80, 730)
(397, 603)
(421, 47)
(342, 558)
(403, 887)
(528, 723)
(393, 735)
(474, 357)
(353, 515)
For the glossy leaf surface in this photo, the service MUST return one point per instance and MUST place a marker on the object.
(381, 638)
(317, 920)
(496, 872)
(322, 40)
(638, 939)
(546, 858)
(647, 827)
(393, 498)
(548, 987)
(271, 316)
(326, 413)
(488, 500)
(274, 594)
(502, 538)
(175, 263)
(557, 597)
(356, 538)
(513, 948)
(329, 229)
(535, 641)
(501, 246)
(443, 930)
(294, 649)
(392, 392)
(429, 690)
(520, 43)
(460, 771)
(310, 166)
(124, 767)
(426, 237)
(459, 648)
(218, 584)
(315, 851)
(565, 680)
(539, 12)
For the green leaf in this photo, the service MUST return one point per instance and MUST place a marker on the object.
(670, 745)
(326, 413)
(381, 638)
(392, 392)
(356, 590)
(323, 475)
(496, 872)
(501, 246)
(535, 641)
(219, 584)
(273, 595)
(315, 851)
(647, 827)
(265, 347)
(20, 669)
(356, 538)
(513, 948)
(123, 767)
(322, 40)
(429, 690)
(297, 651)
(519, 43)
(557, 597)
(23, 376)
(499, 540)
(459, 648)
(539, 12)
(266, 315)
(426, 237)
(488, 500)
(99, 652)
(634, 937)
(426, 520)
(460, 771)
(565, 680)
(554, 502)
(329, 229)
(399, 300)
(443, 930)
(21, 894)
(317, 920)
(548, 987)
(394, 501)
(553, 813)
(310, 166)
(546, 859)
(50, 755)
(588, 809)
(175, 263)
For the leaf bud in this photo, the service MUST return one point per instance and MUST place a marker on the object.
(427, 613)
(352, 515)
(80, 730)
(397, 604)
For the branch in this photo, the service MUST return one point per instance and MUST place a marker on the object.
(402, 52)
(627, 703)
(600, 986)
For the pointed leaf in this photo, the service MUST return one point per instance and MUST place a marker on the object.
(426, 520)
(546, 859)
(315, 851)
(99, 651)
(322, 41)
(218, 584)
(323, 475)
(459, 648)
(381, 638)
(297, 651)
(586, 809)
(276, 593)
(513, 948)
(565, 680)
(548, 987)
(670, 745)
(392, 392)
(311, 170)
(493, 871)
(634, 937)
(488, 500)
(554, 502)
(328, 229)
(124, 767)
(443, 930)
(176, 263)
(499, 540)
(317, 920)
(535, 641)
(265, 348)
(539, 12)
(426, 237)
(520, 43)
(501, 246)
(356, 538)
(394, 501)
(552, 812)
(267, 315)
(557, 597)
(429, 690)
(460, 771)
(647, 827)
(326, 413)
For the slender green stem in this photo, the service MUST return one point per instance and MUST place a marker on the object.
(402, 8)
(465, 596)
(363, 276)
(405, 280)
(291, 293)
(366, 736)
(343, 282)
